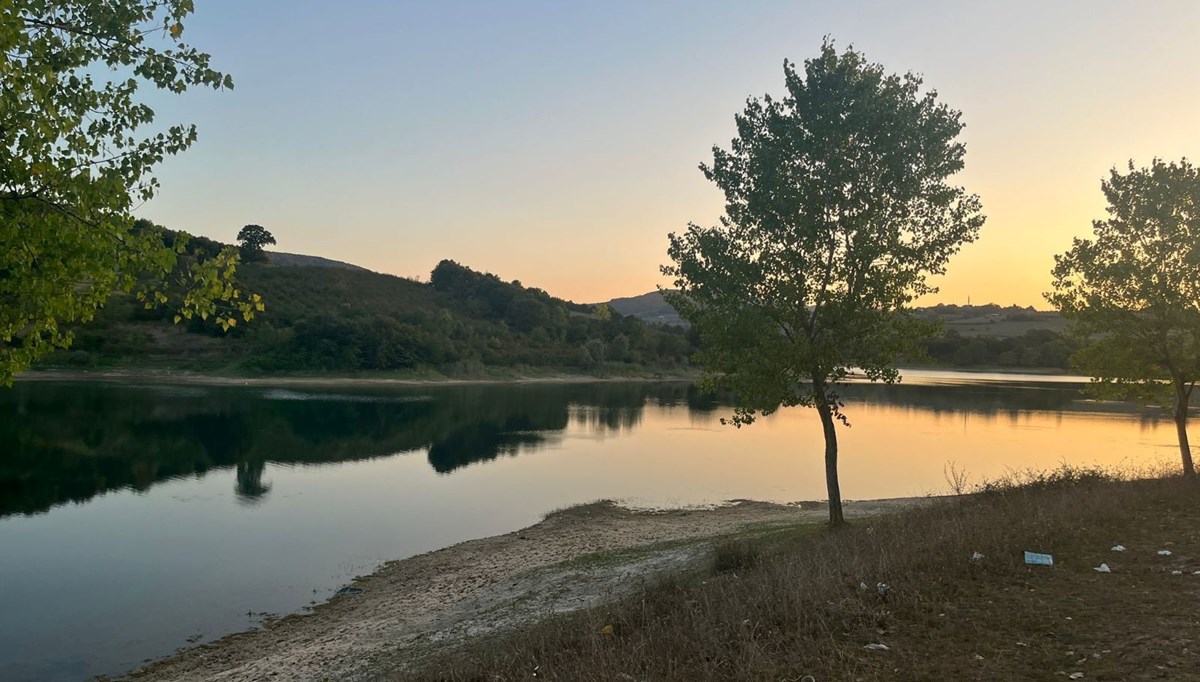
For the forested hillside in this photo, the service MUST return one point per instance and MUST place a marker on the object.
(336, 319)
(325, 316)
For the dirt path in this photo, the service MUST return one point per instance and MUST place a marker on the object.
(409, 608)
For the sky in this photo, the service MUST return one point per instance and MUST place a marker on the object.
(558, 143)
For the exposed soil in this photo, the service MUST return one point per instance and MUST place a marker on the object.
(412, 608)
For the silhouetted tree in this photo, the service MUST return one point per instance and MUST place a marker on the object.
(251, 240)
(838, 206)
(1132, 292)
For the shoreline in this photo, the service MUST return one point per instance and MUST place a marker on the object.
(411, 608)
(199, 379)
(931, 372)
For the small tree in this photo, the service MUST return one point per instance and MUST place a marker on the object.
(837, 208)
(251, 240)
(1133, 292)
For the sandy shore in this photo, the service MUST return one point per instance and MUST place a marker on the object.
(407, 609)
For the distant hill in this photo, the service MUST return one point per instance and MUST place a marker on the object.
(976, 336)
(295, 260)
(967, 320)
(649, 307)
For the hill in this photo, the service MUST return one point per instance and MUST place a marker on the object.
(972, 335)
(325, 316)
(649, 307)
(296, 260)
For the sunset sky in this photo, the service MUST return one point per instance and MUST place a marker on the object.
(558, 142)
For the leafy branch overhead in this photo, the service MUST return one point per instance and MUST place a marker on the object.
(77, 148)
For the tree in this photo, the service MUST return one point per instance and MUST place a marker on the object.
(837, 208)
(1132, 292)
(251, 240)
(75, 157)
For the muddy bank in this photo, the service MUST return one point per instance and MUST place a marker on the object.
(407, 609)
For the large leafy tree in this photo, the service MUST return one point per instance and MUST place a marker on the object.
(838, 206)
(251, 240)
(1132, 292)
(77, 148)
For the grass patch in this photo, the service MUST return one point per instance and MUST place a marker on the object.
(732, 556)
(784, 603)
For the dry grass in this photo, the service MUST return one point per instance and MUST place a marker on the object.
(783, 610)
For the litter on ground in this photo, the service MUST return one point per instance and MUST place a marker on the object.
(1036, 559)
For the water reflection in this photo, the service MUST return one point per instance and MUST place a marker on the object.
(203, 504)
(67, 443)
(70, 442)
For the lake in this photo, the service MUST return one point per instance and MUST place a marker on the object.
(137, 519)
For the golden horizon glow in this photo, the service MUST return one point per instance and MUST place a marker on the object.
(559, 145)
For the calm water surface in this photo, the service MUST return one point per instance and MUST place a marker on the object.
(137, 519)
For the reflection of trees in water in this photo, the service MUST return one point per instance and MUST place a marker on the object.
(601, 420)
(65, 443)
(249, 487)
(991, 400)
(61, 443)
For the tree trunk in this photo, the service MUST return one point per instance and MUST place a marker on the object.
(831, 456)
(1181, 415)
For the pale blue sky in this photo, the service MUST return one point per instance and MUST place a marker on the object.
(557, 142)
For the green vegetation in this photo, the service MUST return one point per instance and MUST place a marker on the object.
(75, 156)
(1132, 293)
(1035, 349)
(809, 603)
(838, 207)
(339, 320)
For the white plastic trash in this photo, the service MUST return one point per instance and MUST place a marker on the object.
(1118, 548)
(1102, 568)
(976, 556)
(877, 647)
(1164, 552)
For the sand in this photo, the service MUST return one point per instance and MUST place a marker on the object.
(411, 608)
